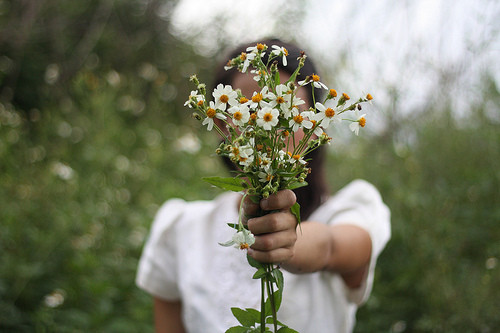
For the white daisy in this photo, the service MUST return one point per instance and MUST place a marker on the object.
(247, 58)
(326, 113)
(258, 97)
(280, 51)
(223, 96)
(241, 114)
(356, 124)
(194, 98)
(264, 161)
(211, 114)
(241, 240)
(280, 98)
(314, 79)
(298, 121)
(267, 118)
(296, 159)
(257, 48)
(266, 176)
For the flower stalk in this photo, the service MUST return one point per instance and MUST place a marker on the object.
(261, 137)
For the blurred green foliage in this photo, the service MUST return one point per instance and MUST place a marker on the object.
(94, 137)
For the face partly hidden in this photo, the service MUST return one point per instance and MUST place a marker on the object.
(248, 86)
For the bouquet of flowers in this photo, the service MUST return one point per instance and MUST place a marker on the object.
(261, 137)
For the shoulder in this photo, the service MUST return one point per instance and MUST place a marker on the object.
(359, 190)
(358, 203)
(358, 195)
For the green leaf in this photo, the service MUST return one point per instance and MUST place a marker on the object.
(261, 272)
(277, 78)
(254, 313)
(226, 183)
(238, 329)
(277, 302)
(294, 185)
(254, 263)
(244, 317)
(234, 226)
(295, 210)
(255, 198)
(286, 329)
(278, 276)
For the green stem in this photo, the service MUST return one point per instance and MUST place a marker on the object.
(262, 305)
(240, 221)
(270, 294)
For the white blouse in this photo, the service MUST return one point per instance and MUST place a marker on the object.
(182, 260)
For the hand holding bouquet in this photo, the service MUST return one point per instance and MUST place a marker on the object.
(268, 137)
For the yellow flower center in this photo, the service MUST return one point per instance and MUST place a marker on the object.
(223, 98)
(333, 93)
(296, 157)
(315, 78)
(285, 134)
(210, 113)
(243, 159)
(329, 112)
(285, 51)
(369, 97)
(314, 122)
(257, 98)
(244, 246)
(243, 56)
(260, 46)
(362, 121)
(236, 151)
(280, 100)
(345, 96)
(243, 100)
(200, 103)
(269, 177)
(237, 115)
(298, 119)
(268, 117)
(253, 116)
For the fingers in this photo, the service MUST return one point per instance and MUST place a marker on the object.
(277, 247)
(277, 256)
(275, 234)
(281, 200)
(275, 237)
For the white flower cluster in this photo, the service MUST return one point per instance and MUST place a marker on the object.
(267, 135)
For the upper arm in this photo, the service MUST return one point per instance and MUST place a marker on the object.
(168, 318)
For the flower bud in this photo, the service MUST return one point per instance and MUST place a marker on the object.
(202, 88)
(196, 116)
(193, 78)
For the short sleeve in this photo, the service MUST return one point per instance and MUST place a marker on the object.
(360, 204)
(158, 270)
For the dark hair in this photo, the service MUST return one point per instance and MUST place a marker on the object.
(311, 196)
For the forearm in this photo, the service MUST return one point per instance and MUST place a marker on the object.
(343, 249)
(167, 316)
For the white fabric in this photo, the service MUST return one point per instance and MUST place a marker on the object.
(183, 260)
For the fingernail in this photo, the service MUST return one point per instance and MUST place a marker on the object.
(264, 204)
